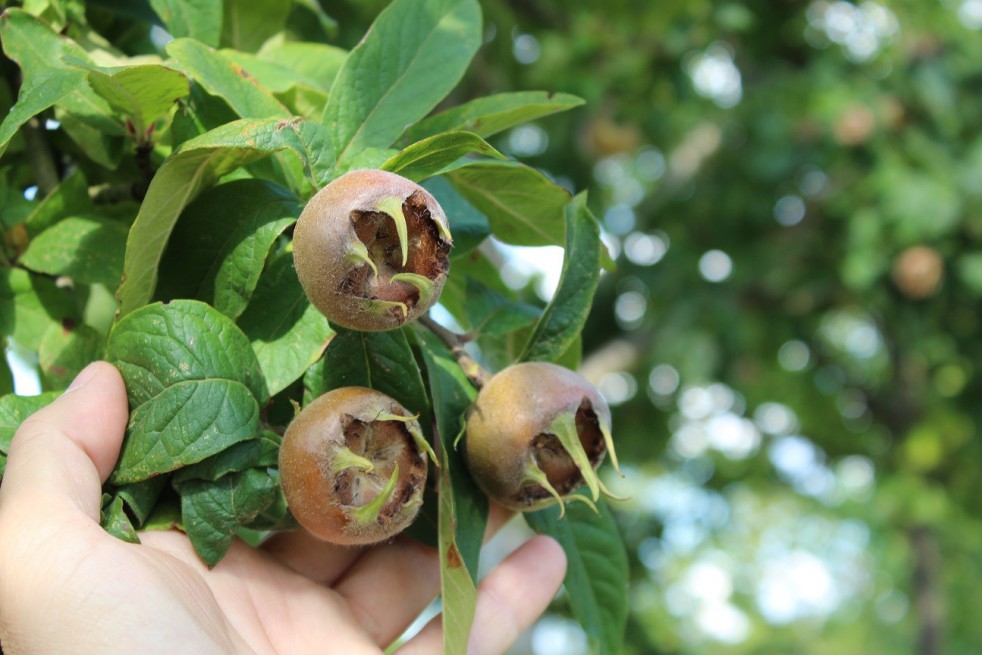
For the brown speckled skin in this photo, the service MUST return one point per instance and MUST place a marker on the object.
(323, 235)
(306, 458)
(517, 404)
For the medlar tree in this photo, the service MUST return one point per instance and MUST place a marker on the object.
(151, 187)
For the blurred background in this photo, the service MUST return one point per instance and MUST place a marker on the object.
(793, 194)
(793, 191)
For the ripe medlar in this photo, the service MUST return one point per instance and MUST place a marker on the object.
(535, 434)
(371, 250)
(353, 468)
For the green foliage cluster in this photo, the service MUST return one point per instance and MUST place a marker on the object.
(166, 180)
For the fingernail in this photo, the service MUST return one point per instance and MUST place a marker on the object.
(82, 378)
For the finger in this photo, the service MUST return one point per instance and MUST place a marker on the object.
(312, 558)
(66, 450)
(409, 571)
(509, 600)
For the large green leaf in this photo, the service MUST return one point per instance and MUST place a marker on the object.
(494, 314)
(430, 156)
(143, 93)
(69, 198)
(46, 80)
(246, 24)
(193, 167)
(286, 331)
(379, 360)
(566, 314)
(213, 511)
(414, 54)
(468, 226)
(88, 249)
(198, 19)
(597, 572)
(14, 410)
(254, 453)
(523, 206)
(29, 304)
(219, 246)
(463, 508)
(161, 345)
(225, 79)
(492, 114)
(317, 62)
(66, 350)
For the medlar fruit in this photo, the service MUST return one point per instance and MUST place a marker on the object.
(353, 468)
(371, 250)
(535, 434)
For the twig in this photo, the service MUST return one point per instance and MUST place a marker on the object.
(477, 374)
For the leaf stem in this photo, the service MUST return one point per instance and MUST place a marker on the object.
(477, 374)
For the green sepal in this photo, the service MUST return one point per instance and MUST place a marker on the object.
(564, 427)
(393, 207)
(416, 433)
(345, 459)
(358, 254)
(609, 442)
(384, 306)
(533, 474)
(368, 513)
(422, 283)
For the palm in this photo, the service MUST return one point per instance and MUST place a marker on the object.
(67, 586)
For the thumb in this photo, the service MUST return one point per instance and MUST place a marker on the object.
(65, 451)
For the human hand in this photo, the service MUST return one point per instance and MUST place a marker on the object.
(66, 586)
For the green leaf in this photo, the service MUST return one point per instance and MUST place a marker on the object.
(162, 345)
(271, 75)
(187, 422)
(246, 24)
(254, 453)
(566, 314)
(6, 377)
(29, 304)
(379, 360)
(522, 205)
(318, 63)
(492, 114)
(141, 498)
(14, 410)
(143, 93)
(198, 113)
(463, 508)
(597, 572)
(219, 246)
(412, 56)
(468, 226)
(213, 511)
(88, 249)
(65, 351)
(430, 156)
(225, 79)
(117, 523)
(198, 19)
(38, 51)
(193, 167)
(287, 333)
(69, 198)
(494, 314)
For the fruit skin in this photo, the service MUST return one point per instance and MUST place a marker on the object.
(320, 489)
(510, 432)
(352, 214)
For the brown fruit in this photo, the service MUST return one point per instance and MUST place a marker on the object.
(535, 434)
(353, 468)
(371, 250)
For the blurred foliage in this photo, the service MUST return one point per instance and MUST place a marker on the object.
(832, 152)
